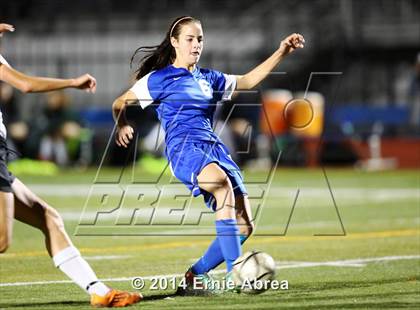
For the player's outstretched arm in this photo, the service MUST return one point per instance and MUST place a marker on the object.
(33, 84)
(124, 130)
(6, 27)
(259, 73)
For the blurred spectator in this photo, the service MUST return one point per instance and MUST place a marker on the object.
(237, 125)
(414, 96)
(57, 126)
(17, 132)
(148, 131)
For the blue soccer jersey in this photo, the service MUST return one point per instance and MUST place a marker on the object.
(186, 100)
(185, 103)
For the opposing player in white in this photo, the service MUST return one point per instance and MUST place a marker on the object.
(19, 202)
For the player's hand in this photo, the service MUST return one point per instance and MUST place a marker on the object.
(6, 27)
(86, 82)
(291, 43)
(124, 135)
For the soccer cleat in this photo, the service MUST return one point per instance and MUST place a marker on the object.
(196, 285)
(115, 298)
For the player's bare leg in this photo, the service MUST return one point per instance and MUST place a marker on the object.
(32, 210)
(6, 220)
(215, 181)
(244, 215)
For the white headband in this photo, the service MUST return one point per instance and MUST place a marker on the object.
(176, 23)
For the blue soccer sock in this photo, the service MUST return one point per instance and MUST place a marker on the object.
(226, 247)
(243, 238)
(213, 257)
(228, 236)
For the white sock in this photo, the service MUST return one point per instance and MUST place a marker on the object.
(77, 269)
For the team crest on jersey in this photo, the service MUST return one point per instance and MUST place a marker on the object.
(205, 87)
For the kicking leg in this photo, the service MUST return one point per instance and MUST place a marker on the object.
(32, 210)
(215, 181)
(213, 256)
(226, 246)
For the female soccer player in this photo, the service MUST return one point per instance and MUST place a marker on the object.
(186, 95)
(19, 202)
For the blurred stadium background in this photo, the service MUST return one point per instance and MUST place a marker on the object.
(353, 239)
(370, 107)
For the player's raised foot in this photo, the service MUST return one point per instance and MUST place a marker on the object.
(115, 298)
(196, 285)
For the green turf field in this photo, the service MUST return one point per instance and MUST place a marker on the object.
(371, 259)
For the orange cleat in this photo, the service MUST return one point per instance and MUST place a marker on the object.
(115, 298)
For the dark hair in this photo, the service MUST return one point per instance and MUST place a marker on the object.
(160, 56)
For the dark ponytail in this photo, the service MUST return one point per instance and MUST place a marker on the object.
(162, 55)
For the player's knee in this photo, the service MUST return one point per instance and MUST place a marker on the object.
(53, 219)
(249, 229)
(224, 193)
(223, 186)
(246, 230)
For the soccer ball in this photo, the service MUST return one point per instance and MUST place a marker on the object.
(253, 272)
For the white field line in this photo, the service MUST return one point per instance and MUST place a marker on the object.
(193, 213)
(311, 264)
(105, 257)
(82, 190)
(284, 265)
(358, 262)
(208, 228)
